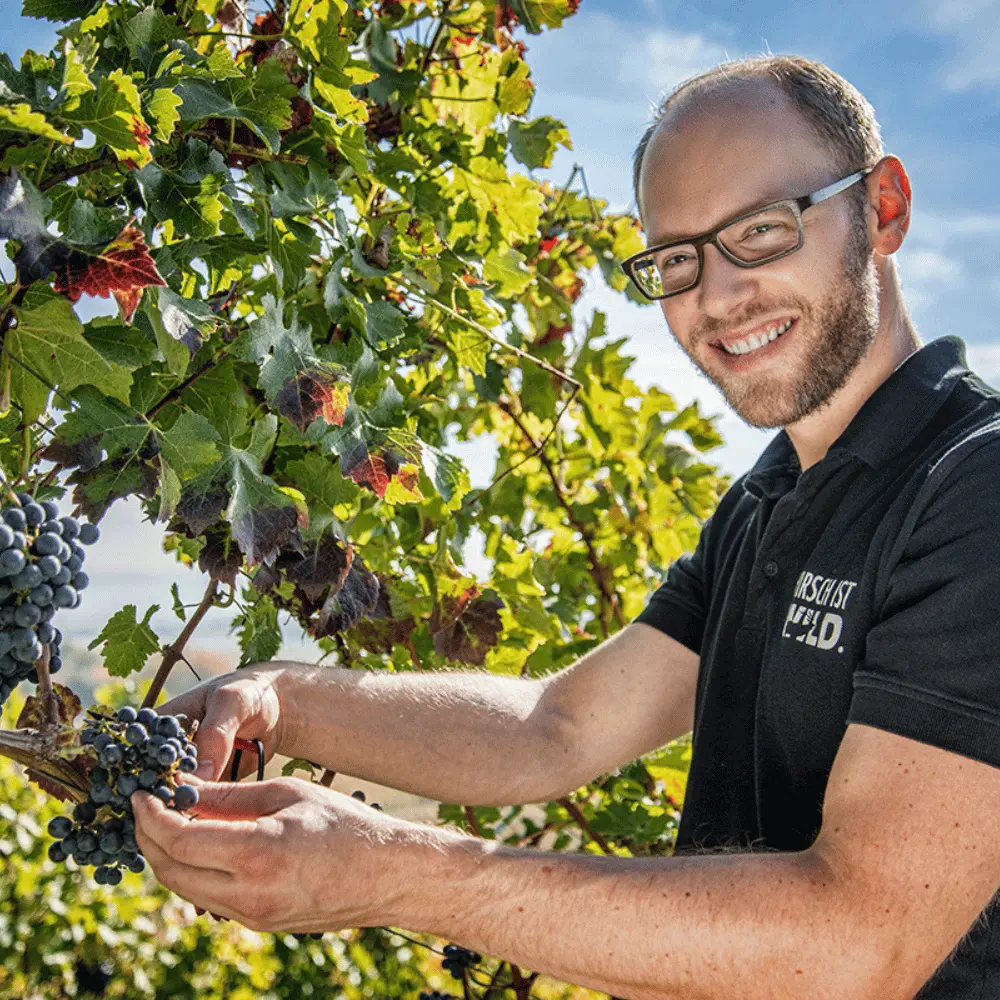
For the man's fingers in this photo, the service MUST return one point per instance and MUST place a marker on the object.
(227, 709)
(232, 801)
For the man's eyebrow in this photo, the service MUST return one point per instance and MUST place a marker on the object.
(763, 202)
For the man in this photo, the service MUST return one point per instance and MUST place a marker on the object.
(832, 640)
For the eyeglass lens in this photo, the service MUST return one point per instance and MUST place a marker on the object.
(754, 240)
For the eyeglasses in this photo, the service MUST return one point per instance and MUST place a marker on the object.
(749, 240)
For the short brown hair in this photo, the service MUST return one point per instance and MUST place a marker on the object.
(836, 111)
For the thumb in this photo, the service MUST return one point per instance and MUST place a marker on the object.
(234, 800)
(216, 735)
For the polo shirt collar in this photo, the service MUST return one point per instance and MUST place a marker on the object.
(887, 423)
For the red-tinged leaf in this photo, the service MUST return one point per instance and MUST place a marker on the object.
(449, 607)
(372, 471)
(220, 558)
(321, 391)
(200, 506)
(345, 607)
(34, 715)
(261, 517)
(473, 634)
(123, 269)
(141, 131)
(322, 564)
(554, 332)
(380, 632)
(84, 454)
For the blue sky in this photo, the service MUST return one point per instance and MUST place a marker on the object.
(932, 72)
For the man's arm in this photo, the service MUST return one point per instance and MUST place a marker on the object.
(906, 860)
(485, 739)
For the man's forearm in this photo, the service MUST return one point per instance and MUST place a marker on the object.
(477, 739)
(767, 926)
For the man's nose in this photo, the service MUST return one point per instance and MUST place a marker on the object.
(724, 286)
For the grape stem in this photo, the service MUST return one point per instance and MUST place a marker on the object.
(44, 688)
(173, 653)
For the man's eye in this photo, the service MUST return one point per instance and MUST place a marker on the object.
(676, 257)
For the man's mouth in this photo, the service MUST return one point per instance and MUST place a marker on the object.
(756, 339)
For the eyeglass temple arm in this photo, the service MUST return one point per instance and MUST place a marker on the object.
(836, 187)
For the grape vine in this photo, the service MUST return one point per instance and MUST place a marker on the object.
(334, 255)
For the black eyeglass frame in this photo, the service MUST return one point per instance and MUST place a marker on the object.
(798, 206)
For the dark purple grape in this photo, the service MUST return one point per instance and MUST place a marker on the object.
(101, 795)
(47, 544)
(51, 509)
(127, 714)
(62, 577)
(114, 876)
(98, 858)
(27, 615)
(188, 765)
(135, 733)
(57, 852)
(102, 740)
(29, 577)
(64, 597)
(89, 533)
(148, 716)
(101, 875)
(55, 665)
(70, 527)
(166, 756)
(87, 842)
(112, 756)
(185, 796)
(6, 536)
(164, 794)
(111, 843)
(148, 778)
(12, 561)
(50, 567)
(44, 632)
(138, 866)
(84, 812)
(127, 784)
(70, 844)
(14, 516)
(34, 514)
(60, 827)
(81, 581)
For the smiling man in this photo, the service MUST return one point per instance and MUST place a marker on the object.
(832, 640)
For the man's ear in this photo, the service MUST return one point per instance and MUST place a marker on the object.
(889, 200)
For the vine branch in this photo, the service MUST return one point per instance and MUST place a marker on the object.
(574, 810)
(609, 597)
(174, 652)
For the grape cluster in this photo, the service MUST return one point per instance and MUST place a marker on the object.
(134, 750)
(457, 959)
(41, 570)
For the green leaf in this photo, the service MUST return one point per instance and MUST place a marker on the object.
(190, 444)
(57, 10)
(163, 107)
(449, 475)
(114, 115)
(194, 207)
(534, 143)
(49, 339)
(20, 118)
(385, 324)
(320, 481)
(128, 642)
(507, 270)
(178, 605)
(257, 631)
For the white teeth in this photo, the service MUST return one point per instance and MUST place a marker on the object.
(757, 340)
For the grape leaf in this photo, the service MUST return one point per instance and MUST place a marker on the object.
(114, 115)
(201, 504)
(193, 206)
(322, 484)
(534, 143)
(49, 340)
(345, 607)
(220, 559)
(22, 218)
(323, 563)
(190, 444)
(57, 10)
(257, 630)
(377, 457)
(473, 633)
(20, 118)
(301, 386)
(183, 319)
(128, 642)
(122, 269)
(261, 517)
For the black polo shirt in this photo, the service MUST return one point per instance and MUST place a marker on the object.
(861, 590)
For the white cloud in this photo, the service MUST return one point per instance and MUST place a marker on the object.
(974, 26)
(661, 59)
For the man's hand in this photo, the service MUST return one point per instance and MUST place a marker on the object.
(244, 703)
(280, 855)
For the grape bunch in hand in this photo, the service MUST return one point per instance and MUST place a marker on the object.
(134, 750)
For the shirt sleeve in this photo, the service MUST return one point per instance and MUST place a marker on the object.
(931, 670)
(679, 606)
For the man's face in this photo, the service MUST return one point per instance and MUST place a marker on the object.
(728, 156)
